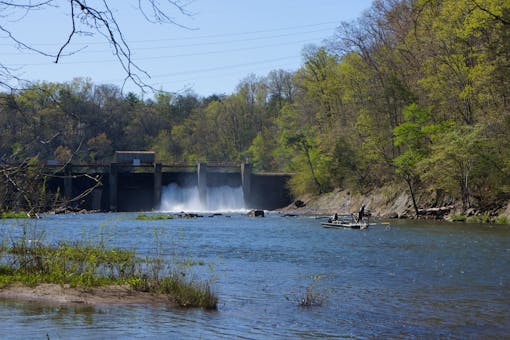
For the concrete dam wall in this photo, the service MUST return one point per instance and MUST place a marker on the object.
(140, 188)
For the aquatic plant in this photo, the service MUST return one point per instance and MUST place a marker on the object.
(155, 217)
(309, 299)
(184, 291)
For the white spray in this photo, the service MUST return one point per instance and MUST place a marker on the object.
(219, 199)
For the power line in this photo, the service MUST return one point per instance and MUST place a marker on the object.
(221, 68)
(203, 44)
(214, 52)
(238, 33)
(200, 37)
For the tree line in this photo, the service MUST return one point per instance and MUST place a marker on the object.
(413, 92)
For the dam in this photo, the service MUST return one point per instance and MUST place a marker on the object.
(135, 182)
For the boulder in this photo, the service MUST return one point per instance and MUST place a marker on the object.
(299, 204)
(256, 213)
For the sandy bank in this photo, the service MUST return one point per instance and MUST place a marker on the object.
(64, 294)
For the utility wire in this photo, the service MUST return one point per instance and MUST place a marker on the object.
(197, 54)
(220, 68)
(201, 44)
(226, 35)
(213, 69)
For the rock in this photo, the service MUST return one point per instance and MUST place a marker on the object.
(256, 213)
(299, 204)
(191, 215)
(391, 215)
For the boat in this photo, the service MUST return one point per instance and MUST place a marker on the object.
(346, 221)
(349, 225)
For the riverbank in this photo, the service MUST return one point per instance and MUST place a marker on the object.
(378, 202)
(394, 202)
(65, 294)
(79, 272)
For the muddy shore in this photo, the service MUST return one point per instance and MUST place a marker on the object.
(64, 294)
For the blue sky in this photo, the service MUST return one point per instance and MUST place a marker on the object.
(227, 40)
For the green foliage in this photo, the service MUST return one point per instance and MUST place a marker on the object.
(502, 220)
(482, 218)
(11, 214)
(260, 153)
(455, 161)
(458, 218)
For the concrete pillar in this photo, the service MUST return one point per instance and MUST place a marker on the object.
(97, 195)
(246, 182)
(68, 181)
(114, 170)
(157, 185)
(202, 182)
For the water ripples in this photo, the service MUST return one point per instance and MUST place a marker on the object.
(407, 280)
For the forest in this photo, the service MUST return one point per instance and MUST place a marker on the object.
(414, 93)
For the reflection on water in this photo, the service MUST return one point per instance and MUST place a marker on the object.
(405, 280)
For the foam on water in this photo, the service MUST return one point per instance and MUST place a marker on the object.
(219, 199)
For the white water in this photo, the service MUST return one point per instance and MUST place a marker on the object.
(219, 199)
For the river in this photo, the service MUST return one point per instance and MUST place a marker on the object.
(406, 279)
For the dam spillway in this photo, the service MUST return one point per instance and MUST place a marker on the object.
(144, 186)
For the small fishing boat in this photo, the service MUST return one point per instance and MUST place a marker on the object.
(346, 221)
(349, 225)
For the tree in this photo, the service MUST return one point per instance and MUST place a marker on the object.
(281, 89)
(84, 18)
(412, 136)
(100, 147)
(455, 160)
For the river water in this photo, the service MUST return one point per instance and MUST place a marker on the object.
(406, 279)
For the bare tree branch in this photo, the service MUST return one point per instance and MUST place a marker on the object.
(159, 15)
(494, 15)
(100, 19)
(73, 32)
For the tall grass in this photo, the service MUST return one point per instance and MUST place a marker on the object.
(29, 261)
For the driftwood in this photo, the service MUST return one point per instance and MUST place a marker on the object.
(436, 213)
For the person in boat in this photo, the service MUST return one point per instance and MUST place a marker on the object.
(334, 218)
(361, 213)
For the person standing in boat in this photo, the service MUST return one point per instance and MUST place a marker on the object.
(361, 213)
(334, 218)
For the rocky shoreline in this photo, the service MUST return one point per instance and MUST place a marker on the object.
(388, 203)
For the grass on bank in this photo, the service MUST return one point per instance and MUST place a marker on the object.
(481, 219)
(80, 265)
(12, 214)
